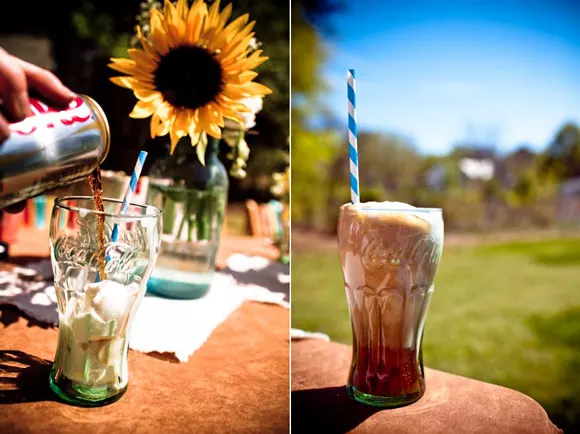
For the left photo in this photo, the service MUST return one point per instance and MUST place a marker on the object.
(144, 217)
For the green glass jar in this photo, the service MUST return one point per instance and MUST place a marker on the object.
(193, 198)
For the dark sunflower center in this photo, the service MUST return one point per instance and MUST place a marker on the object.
(188, 77)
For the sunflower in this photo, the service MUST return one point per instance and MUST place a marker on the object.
(194, 70)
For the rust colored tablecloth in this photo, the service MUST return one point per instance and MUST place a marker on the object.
(238, 381)
(451, 404)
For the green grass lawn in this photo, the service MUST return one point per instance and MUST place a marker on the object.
(507, 314)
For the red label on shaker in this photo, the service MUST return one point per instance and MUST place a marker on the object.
(44, 116)
(51, 147)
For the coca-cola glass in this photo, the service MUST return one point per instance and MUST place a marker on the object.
(99, 280)
(389, 253)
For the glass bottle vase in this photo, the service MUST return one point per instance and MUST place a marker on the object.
(193, 200)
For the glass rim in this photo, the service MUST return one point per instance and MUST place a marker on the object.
(176, 188)
(59, 202)
(399, 210)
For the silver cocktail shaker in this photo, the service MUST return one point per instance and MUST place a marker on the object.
(52, 148)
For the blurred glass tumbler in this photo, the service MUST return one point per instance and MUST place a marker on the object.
(389, 254)
(96, 312)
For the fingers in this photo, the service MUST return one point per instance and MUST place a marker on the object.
(13, 87)
(4, 129)
(46, 83)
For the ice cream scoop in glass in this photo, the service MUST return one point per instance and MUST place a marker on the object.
(99, 284)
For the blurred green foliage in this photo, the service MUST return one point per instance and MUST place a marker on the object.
(523, 191)
(562, 158)
(91, 24)
(312, 150)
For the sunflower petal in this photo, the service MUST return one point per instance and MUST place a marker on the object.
(155, 125)
(234, 50)
(159, 41)
(254, 89)
(174, 26)
(241, 63)
(136, 74)
(201, 146)
(145, 42)
(237, 24)
(193, 127)
(165, 111)
(124, 81)
(195, 20)
(170, 11)
(130, 69)
(142, 110)
(217, 36)
(233, 115)
(159, 38)
(193, 137)
(202, 120)
(240, 77)
(214, 131)
(253, 62)
(174, 137)
(246, 30)
(156, 20)
(182, 9)
(143, 59)
(235, 92)
(148, 95)
(181, 125)
(228, 112)
(224, 17)
(159, 125)
(141, 84)
(214, 114)
(214, 11)
(127, 66)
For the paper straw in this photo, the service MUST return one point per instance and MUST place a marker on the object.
(352, 138)
(130, 190)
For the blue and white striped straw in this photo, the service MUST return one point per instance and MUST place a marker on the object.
(352, 138)
(130, 190)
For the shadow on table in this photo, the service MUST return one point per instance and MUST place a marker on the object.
(11, 314)
(24, 261)
(328, 410)
(267, 277)
(23, 378)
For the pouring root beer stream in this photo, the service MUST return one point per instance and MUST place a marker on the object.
(97, 191)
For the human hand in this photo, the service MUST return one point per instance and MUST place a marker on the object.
(16, 77)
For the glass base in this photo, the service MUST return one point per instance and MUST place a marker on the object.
(383, 401)
(85, 396)
(180, 285)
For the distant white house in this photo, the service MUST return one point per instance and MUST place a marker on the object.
(569, 201)
(471, 169)
(475, 169)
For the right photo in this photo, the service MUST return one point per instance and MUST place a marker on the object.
(435, 199)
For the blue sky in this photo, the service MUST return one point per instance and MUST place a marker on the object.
(442, 71)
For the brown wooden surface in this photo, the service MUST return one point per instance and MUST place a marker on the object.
(451, 404)
(238, 381)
